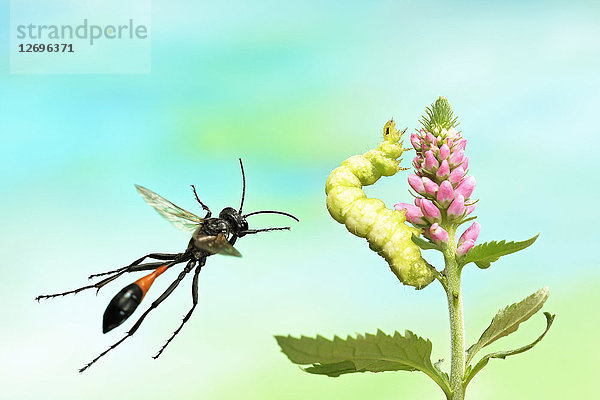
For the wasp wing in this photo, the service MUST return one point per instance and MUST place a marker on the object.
(216, 245)
(182, 219)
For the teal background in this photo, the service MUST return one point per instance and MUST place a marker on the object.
(294, 89)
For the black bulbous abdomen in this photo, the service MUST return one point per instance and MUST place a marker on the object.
(121, 307)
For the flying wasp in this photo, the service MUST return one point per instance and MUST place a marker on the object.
(209, 236)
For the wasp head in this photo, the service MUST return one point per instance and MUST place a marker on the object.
(238, 222)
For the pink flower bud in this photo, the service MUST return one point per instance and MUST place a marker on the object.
(471, 233)
(457, 157)
(465, 163)
(457, 208)
(416, 183)
(464, 247)
(430, 162)
(415, 140)
(471, 208)
(430, 138)
(443, 171)
(445, 193)
(466, 187)
(417, 162)
(414, 215)
(438, 234)
(444, 151)
(430, 186)
(456, 175)
(462, 143)
(430, 211)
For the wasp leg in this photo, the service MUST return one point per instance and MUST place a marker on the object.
(155, 256)
(194, 304)
(190, 265)
(204, 206)
(129, 268)
(98, 285)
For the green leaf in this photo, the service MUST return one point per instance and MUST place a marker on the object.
(486, 253)
(471, 372)
(424, 244)
(507, 320)
(368, 353)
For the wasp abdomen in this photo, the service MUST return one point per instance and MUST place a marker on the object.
(122, 306)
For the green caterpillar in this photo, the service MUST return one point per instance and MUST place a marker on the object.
(384, 229)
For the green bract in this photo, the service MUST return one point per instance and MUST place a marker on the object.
(384, 229)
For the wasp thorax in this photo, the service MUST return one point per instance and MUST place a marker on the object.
(214, 226)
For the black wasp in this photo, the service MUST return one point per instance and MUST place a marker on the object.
(210, 236)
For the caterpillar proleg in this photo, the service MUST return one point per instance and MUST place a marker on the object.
(384, 229)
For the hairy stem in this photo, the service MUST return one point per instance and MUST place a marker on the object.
(455, 309)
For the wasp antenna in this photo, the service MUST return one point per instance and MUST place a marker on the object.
(243, 185)
(272, 212)
(252, 231)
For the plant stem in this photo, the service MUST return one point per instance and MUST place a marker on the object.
(455, 309)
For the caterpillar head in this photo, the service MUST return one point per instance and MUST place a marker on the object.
(390, 133)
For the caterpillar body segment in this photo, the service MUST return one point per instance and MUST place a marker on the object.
(384, 229)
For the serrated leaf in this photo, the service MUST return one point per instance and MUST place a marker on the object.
(486, 253)
(471, 372)
(424, 244)
(507, 320)
(368, 353)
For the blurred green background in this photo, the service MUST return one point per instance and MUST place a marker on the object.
(293, 89)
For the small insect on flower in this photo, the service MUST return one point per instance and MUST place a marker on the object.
(209, 236)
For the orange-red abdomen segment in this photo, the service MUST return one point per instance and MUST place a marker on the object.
(145, 282)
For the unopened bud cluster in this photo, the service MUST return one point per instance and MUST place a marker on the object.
(443, 188)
